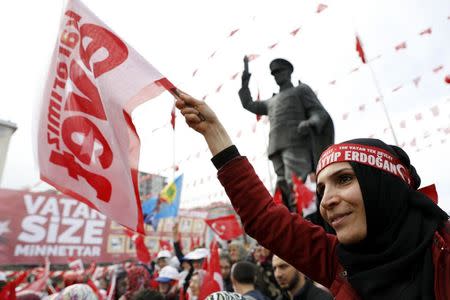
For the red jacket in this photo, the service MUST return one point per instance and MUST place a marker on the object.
(306, 246)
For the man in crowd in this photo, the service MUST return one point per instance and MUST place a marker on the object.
(243, 277)
(225, 270)
(294, 284)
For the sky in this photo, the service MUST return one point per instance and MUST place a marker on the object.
(180, 37)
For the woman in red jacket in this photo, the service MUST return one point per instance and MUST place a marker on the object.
(392, 241)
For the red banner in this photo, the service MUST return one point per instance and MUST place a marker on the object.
(36, 225)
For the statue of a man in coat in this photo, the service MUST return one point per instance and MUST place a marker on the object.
(300, 127)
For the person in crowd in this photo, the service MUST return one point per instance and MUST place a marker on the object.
(147, 294)
(122, 283)
(3, 280)
(237, 251)
(265, 279)
(138, 278)
(300, 127)
(224, 295)
(195, 283)
(392, 241)
(225, 270)
(243, 277)
(78, 291)
(168, 282)
(295, 285)
(163, 258)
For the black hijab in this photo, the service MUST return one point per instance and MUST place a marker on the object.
(394, 260)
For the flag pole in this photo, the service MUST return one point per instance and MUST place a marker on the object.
(381, 99)
(376, 83)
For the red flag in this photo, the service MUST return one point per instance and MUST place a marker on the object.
(173, 117)
(226, 227)
(252, 57)
(277, 197)
(76, 265)
(438, 68)
(233, 32)
(447, 79)
(142, 252)
(303, 195)
(91, 91)
(321, 7)
(397, 88)
(165, 245)
(400, 46)
(360, 50)
(9, 290)
(272, 46)
(212, 282)
(258, 98)
(295, 31)
(426, 31)
(195, 242)
(430, 192)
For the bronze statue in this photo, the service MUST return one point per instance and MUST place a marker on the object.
(300, 127)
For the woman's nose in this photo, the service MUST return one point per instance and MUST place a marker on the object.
(329, 198)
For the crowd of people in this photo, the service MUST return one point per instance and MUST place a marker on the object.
(251, 271)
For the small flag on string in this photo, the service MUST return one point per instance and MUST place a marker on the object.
(416, 81)
(321, 7)
(426, 31)
(400, 46)
(295, 31)
(233, 32)
(360, 50)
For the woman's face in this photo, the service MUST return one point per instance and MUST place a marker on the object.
(342, 203)
(194, 285)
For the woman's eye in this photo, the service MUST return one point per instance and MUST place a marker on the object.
(345, 178)
(319, 190)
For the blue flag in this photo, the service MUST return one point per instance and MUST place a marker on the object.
(165, 205)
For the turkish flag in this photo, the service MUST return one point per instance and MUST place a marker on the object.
(88, 147)
(226, 227)
(212, 282)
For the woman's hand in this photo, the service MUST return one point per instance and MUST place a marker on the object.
(200, 117)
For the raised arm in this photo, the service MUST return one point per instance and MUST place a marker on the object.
(256, 107)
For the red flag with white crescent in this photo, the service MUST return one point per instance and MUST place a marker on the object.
(226, 227)
(88, 146)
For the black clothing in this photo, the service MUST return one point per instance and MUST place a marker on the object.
(308, 292)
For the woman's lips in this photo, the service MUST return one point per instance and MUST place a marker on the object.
(338, 219)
